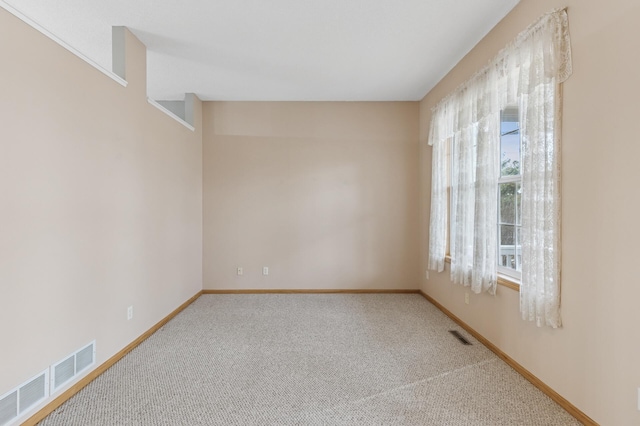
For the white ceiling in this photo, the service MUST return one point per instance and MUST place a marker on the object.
(340, 50)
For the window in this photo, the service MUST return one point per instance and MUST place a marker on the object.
(504, 209)
(510, 195)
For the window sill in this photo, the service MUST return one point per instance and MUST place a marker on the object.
(512, 283)
(503, 280)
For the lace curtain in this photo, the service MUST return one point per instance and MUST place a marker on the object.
(528, 73)
(465, 127)
(439, 196)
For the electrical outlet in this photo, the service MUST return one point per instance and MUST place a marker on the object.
(265, 270)
(426, 274)
(240, 271)
(130, 312)
(466, 298)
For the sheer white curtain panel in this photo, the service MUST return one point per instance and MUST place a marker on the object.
(544, 56)
(468, 124)
(439, 197)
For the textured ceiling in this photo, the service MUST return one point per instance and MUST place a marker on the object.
(341, 50)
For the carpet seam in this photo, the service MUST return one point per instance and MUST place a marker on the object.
(408, 385)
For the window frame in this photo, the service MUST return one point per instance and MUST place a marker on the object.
(512, 275)
(506, 277)
(503, 270)
(534, 65)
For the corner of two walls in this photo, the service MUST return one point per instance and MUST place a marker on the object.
(101, 205)
(103, 200)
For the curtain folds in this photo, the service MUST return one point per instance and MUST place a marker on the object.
(527, 73)
(545, 62)
(439, 199)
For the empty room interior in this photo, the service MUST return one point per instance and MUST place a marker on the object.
(283, 152)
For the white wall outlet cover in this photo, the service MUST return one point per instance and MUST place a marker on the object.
(265, 270)
(130, 312)
(240, 271)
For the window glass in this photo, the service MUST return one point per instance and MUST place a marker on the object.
(509, 194)
(508, 202)
(509, 145)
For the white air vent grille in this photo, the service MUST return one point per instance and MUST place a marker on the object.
(21, 399)
(85, 357)
(32, 392)
(9, 407)
(64, 371)
(74, 364)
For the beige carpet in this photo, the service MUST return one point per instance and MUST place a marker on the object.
(310, 359)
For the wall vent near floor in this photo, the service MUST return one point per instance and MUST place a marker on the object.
(18, 401)
(32, 392)
(460, 337)
(85, 357)
(63, 371)
(9, 407)
(70, 367)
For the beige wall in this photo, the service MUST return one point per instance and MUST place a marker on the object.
(324, 194)
(101, 205)
(593, 361)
